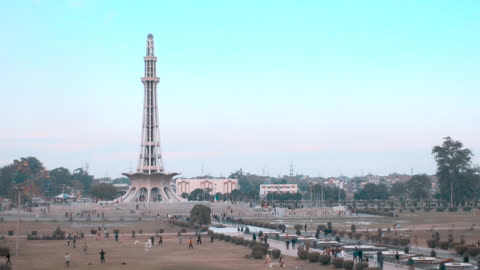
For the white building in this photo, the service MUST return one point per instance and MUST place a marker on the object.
(279, 188)
(214, 185)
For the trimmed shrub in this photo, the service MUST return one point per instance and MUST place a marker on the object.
(183, 230)
(433, 253)
(276, 253)
(395, 241)
(298, 227)
(357, 235)
(431, 243)
(34, 233)
(221, 236)
(473, 251)
(203, 228)
(348, 264)
(325, 259)
(227, 238)
(313, 257)
(11, 232)
(404, 241)
(252, 243)
(454, 244)
(461, 249)
(337, 262)
(361, 266)
(467, 209)
(258, 251)
(246, 242)
(303, 254)
(440, 209)
(239, 241)
(247, 230)
(443, 245)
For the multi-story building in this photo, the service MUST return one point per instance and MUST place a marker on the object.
(279, 188)
(213, 185)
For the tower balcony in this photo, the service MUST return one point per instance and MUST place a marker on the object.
(150, 79)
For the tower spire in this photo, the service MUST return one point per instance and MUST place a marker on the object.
(150, 160)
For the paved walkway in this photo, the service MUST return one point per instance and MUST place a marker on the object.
(276, 244)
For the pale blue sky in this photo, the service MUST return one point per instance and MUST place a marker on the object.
(332, 86)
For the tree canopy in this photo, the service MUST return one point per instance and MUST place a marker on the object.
(103, 191)
(454, 169)
(372, 191)
(200, 214)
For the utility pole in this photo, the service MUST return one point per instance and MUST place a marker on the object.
(451, 193)
(19, 189)
(322, 195)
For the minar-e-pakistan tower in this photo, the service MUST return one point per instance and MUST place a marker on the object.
(150, 183)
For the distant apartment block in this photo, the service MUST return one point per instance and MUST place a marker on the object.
(213, 185)
(279, 188)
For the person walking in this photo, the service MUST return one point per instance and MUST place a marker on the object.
(265, 238)
(397, 258)
(102, 256)
(268, 260)
(67, 260)
(380, 259)
(211, 238)
(190, 243)
(355, 255)
(199, 240)
(360, 255)
(160, 240)
(74, 241)
(152, 240)
(294, 240)
(85, 248)
(287, 243)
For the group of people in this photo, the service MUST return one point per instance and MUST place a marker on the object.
(67, 257)
(268, 261)
(336, 252)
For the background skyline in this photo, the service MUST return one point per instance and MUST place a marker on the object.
(332, 87)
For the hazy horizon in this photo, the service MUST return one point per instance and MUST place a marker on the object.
(332, 87)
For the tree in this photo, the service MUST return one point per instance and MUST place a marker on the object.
(200, 214)
(197, 194)
(419, 186)
(61, 176)
(103, 191)
(399, 189)
(84, 178)
(372, 192)
(454, 170)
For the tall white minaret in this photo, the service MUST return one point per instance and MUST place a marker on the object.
(150, 160)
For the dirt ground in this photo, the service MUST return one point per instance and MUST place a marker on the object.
(43, 255)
